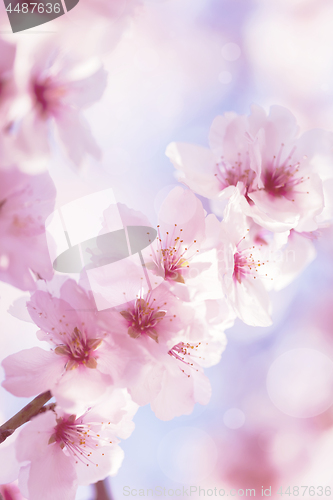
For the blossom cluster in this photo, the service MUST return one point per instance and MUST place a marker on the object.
(269, 198)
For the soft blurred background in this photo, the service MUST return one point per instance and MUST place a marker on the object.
(173, 65)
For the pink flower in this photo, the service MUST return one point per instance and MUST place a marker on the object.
(274, 168)
(171, 342)
(83, 360)
(59, 89)
(247, 264)
(253, 261)
(184, 253)
(64, 450)
(159, 316)
(25, 202)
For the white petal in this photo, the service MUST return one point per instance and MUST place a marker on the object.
(197, 166)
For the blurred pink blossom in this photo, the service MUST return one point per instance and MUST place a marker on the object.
(56, 88)
(25, 202)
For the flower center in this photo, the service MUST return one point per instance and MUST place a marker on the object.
(144, 318)
(241, 266)
(79, 350)
(182, 351)
(280, 179)
(172, 257)
(247, 264)
(76, 437)
(48, 95)
(229, 174)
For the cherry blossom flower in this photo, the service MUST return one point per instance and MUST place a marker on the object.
(25, 202)
(83, 360)
(274, 168)
(184, 253)
(247, 264)
(172, 343)
(60, 451)
(253, 261)
(59, 87)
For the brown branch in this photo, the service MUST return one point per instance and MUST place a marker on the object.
(102, 492)
(30, 410)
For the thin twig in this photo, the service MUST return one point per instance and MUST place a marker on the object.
(30, 410)
(102, 492)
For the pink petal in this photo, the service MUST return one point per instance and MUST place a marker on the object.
(76, 136)
(179, 392)
(54, 316)
(52, 476)
(9, 464)
(104, 461)
(31, 371)
(197, 167)
(80, 388)
(251, 302)
(183, 208)
(33, 439)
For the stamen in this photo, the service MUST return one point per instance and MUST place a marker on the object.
(181, 351)
(246, 263)
(172, 257)
(240, 171)
(78, 350)
(144, 318)
(76, 437)
(281, 179)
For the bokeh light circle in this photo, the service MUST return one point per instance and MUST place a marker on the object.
(231, 51)
(234, 418)
(187, 455)
(300, 383)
